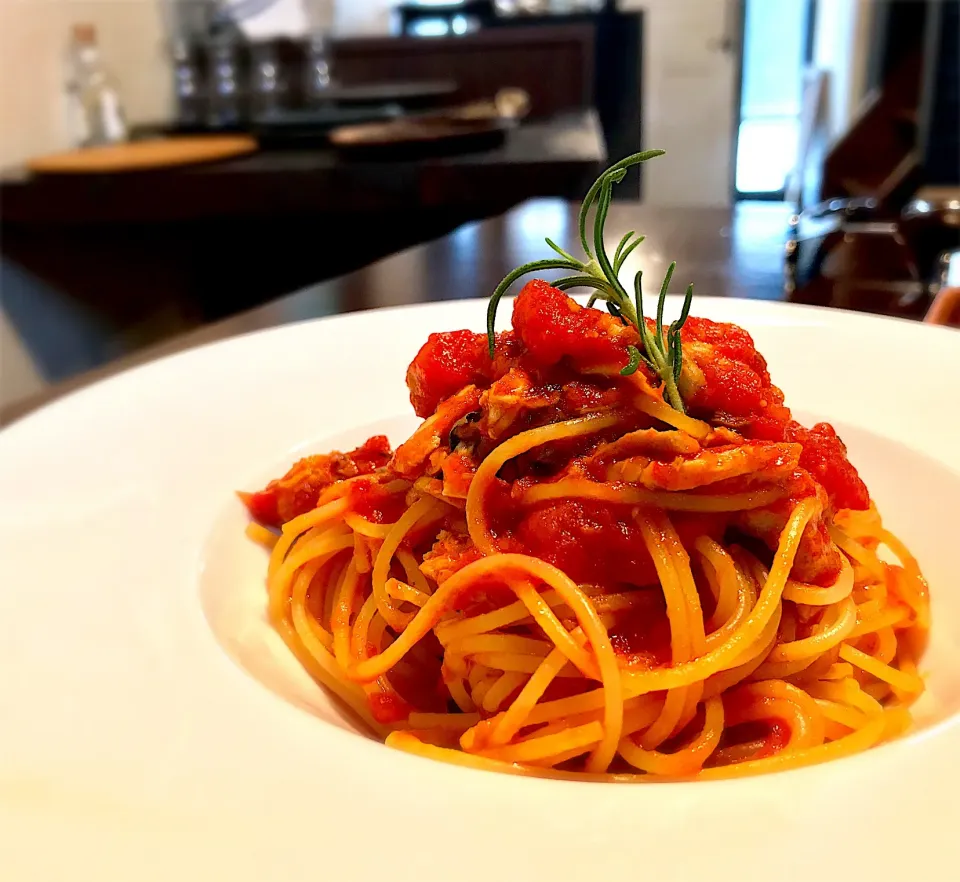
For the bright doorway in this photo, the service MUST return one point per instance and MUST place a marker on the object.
(777, 44)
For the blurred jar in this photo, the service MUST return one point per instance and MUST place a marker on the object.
(186, 27)
(187, 82)
(267, 85)
(318, 70)
(223, 85)
(317, 57)
(96, 111)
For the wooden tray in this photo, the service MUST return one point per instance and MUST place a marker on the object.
(144, 155)
(399, 133)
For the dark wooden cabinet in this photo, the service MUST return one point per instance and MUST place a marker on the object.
(553, 63)
(565, 64)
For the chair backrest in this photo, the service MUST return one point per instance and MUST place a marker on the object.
(804, 182)
(945, 308)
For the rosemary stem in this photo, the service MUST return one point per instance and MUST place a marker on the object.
(672, 394)
(661, 346)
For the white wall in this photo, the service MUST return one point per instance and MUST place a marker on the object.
(688, 100)
(362, 16)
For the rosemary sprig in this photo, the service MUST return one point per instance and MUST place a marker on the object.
(662, 351)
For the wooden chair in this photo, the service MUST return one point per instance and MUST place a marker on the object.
(945, 309)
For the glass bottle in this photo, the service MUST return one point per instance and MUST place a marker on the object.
(97, 115)
(185, 24)
(267, 82)
(187, 83)
(223, 80)
(317, 73)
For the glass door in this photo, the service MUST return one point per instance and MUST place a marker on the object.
(777, 44)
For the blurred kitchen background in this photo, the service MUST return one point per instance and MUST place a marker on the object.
(818, 138)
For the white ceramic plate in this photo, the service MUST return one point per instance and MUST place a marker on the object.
(153, 727)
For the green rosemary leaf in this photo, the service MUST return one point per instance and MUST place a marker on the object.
(687, 298)
(633, 364)
(638, 297)
(591, 197)
(564, 254)
(618, 264)
(661, 302)
(581, 281)
(661, 353)
(673, 347)
(620, 247)
(603, 207)
(614, 310)
(508, 280)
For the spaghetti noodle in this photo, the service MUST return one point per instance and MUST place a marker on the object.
(563, 574)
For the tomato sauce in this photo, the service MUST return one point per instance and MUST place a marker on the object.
(387, 708)
(444, 365)
(777, 737)
(728, 340)
(593, 542)
(299, 489)
(825, 457)
(372, 502)
(641, 637)
(553, 326)
(770, 736)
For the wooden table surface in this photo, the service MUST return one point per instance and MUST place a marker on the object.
(726, 252)
(541, 157)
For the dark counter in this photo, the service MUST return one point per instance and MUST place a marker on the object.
(726, 252)
(95, 267)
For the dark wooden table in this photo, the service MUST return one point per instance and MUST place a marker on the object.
(726, 252)
(97, 266)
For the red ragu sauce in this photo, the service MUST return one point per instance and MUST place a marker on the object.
(299, 489)
(561, 361)
(373, 503)
(388, 708)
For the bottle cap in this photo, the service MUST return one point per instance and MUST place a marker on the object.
(85, 34)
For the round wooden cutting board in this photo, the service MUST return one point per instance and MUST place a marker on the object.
(142, 155)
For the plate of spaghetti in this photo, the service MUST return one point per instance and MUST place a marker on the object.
(600, 580)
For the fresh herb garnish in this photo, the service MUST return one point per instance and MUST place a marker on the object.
(661, 350)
